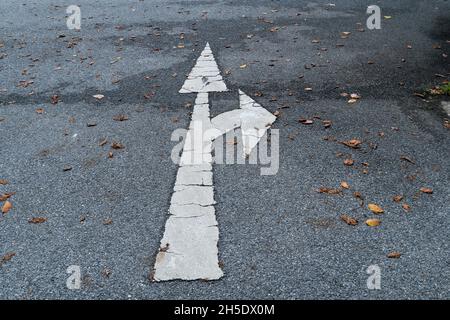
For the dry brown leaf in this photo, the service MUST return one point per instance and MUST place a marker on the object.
(349, 162)
(120, 117)
(397, 198)
(8, 256)
(349, 220)
(37, 220)
(6, 207)
(426, 190)
(103, 142)
(117, 145)
(394, 255)
(327, 123)
(375, 208)
(305, 121)
(5, 196)
(353, 143)
(373, 222)
(406, 207)
(3, 181)
(329, 190)
(54, 99)
(345, 185)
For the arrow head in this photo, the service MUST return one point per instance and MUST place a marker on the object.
(255, 121)
(205, 75)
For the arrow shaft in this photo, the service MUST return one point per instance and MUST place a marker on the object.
(189, 246)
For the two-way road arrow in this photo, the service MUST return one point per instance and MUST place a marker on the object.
(189, 246)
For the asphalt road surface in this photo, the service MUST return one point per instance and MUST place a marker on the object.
(104, 209)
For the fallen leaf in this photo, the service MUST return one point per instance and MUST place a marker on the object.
(8, 256)
(349, 162)
(3, 181)
(394, 255)
(120, 117)
(426, 190)
(349, 220)
(407, 159)
(6, 207)
(39, 111)
(117, 145)
(54, 99)
(352, 101)
(354, 143)
(406, 207)
(103, 142)
(37, 220)
(327, 123)
(397, 198)
(329, 190)
(67, 167)
(5, 196)
(375, 208)
(98, 96)
(243, 66)
(305, 121)
(345, 185)
(107, 222)
(373, 222)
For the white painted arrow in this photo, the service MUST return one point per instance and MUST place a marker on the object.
(189, 246)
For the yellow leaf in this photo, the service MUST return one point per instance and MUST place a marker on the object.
(373, 222)
(345, 185)
(6, 207)
(375, 208)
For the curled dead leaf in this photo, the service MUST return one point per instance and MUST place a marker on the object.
(373, 222)
(117, 145)
(6, 207)
(349, 162)
(394, 255)
(37, 220)
(349, 220)
(397, 198)
(345, 185)
(426, 190)
(353, 143)
(375, 208)
(8, 256)
(329, 190)
(120, 117)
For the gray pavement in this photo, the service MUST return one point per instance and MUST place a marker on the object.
(279, 237)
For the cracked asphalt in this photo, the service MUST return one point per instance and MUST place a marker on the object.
(279, 238)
